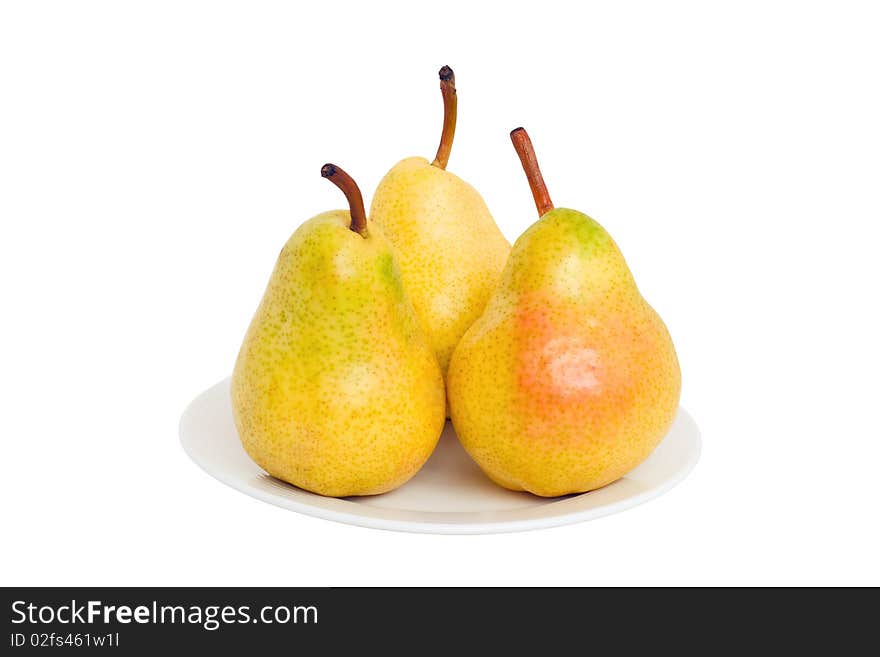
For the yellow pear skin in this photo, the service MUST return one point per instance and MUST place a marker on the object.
(449, 248)
(336, 389)
(569, 379)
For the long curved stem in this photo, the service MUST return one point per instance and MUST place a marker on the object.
(526, 152)
(352, 192)
(450, 114)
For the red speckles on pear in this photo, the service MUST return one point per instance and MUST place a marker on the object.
(569, 367)
(554, 361)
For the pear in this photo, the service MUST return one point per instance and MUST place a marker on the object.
(336, 389)
(569, 379)
(449, 248)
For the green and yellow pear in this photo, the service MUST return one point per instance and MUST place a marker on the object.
(449, 248)
(336, 388)
(569, 379)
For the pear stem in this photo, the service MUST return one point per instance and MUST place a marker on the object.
(526, 152)
(450, 113)
(352, 192)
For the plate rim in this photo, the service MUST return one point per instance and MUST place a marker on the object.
(441, 527)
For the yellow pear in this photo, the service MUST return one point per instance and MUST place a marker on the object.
(569, 379)
(336, 389)
(449, 248)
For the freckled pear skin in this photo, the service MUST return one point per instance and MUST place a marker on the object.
(569, 379)
(449, 248)
(336, 390)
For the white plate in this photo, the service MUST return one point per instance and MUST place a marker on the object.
(449, 495)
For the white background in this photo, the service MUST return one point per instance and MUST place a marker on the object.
(155, 156)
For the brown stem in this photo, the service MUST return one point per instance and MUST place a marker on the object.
(450, 113)
(352, 192)
(526, 152)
